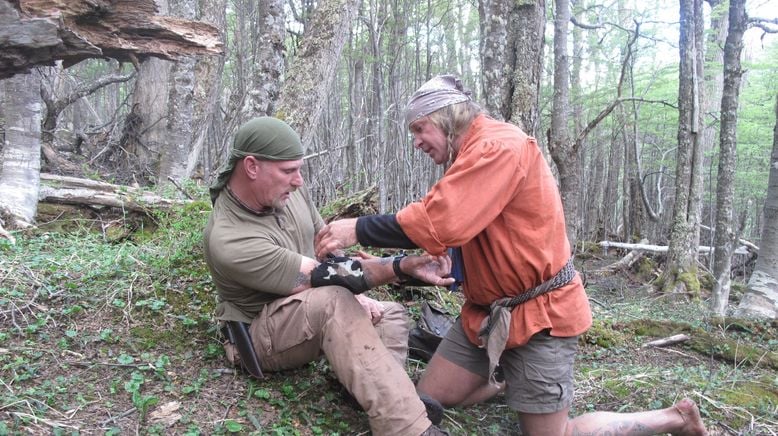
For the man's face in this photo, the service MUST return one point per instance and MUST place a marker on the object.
(430, 139)
(276, 180)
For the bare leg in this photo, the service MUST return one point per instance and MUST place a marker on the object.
(682, 419)
(485, 392)
(470, 388)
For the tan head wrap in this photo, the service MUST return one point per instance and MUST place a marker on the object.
(437, 93)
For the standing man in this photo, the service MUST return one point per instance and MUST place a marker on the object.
(259, 248)
(525, 305)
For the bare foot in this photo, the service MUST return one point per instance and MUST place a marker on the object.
(692, 421)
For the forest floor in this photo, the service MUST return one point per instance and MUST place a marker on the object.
(106, 328)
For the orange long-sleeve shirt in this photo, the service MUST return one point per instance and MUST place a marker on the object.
(499, 201)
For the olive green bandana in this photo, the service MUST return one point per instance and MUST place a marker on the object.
(265, 138)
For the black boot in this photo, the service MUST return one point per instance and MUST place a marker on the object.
(434, 409)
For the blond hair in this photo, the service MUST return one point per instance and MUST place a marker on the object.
(454, 119)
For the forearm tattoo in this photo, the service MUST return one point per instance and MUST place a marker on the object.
(302, 279)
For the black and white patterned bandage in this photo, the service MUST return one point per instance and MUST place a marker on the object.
(340, 271)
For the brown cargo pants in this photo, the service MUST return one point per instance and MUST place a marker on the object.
(298, 329)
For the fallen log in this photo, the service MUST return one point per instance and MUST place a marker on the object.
(662, 248)
(84, 192)
(39, 32)
(741, 241)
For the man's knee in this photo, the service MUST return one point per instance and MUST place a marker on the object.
(394, 311)
(393, 330)
(326, 302)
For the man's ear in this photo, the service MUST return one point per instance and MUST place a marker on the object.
(251, 167)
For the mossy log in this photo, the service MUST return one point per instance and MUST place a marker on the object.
(713, 343)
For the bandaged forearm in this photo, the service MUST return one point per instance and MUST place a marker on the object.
(340, 271)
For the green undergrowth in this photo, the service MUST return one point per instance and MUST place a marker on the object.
(111, 332)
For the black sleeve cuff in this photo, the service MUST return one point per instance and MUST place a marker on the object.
(382, 231)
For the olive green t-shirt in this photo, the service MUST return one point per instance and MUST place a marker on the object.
(255, 258)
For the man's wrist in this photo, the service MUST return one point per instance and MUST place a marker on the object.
(398, 270)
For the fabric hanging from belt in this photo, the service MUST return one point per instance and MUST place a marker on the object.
(494, 334)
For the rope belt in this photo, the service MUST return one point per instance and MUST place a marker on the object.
(500, 314)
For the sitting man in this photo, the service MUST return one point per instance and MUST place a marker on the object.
(259, 248)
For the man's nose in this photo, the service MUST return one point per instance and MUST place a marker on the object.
(297, 180)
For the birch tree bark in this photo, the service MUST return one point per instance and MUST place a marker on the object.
(761, 298)
(20, 153)
(725, 235)
(680, 274)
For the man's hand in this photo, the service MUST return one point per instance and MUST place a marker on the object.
(374, 309)
(427, 268)
(335, 236)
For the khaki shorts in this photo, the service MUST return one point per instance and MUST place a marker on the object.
(538, 375)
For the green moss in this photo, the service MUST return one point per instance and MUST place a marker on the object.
(147, 337)
(674, 276)
(689, 278)
(706, 280)
(602, 334)
(749, 395)
(645, 268)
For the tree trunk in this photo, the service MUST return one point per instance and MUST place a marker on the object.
(761, 298)
(20, 163)
(712, 90)
(207, 91)
(175, 101)
(310, 76)
(681, 271)
(725, 235)
(512, 59)
(268, 50)
(181, 120)
(561, 147)
(145, 126)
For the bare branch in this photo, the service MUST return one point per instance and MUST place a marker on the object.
(612, 105)
(584, 25)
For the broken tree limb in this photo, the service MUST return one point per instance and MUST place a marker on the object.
(671, 340)
(627, 261)
(84, 192)
(39, 32)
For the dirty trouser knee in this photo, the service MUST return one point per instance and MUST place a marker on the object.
(393, 330)
(295, 330)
